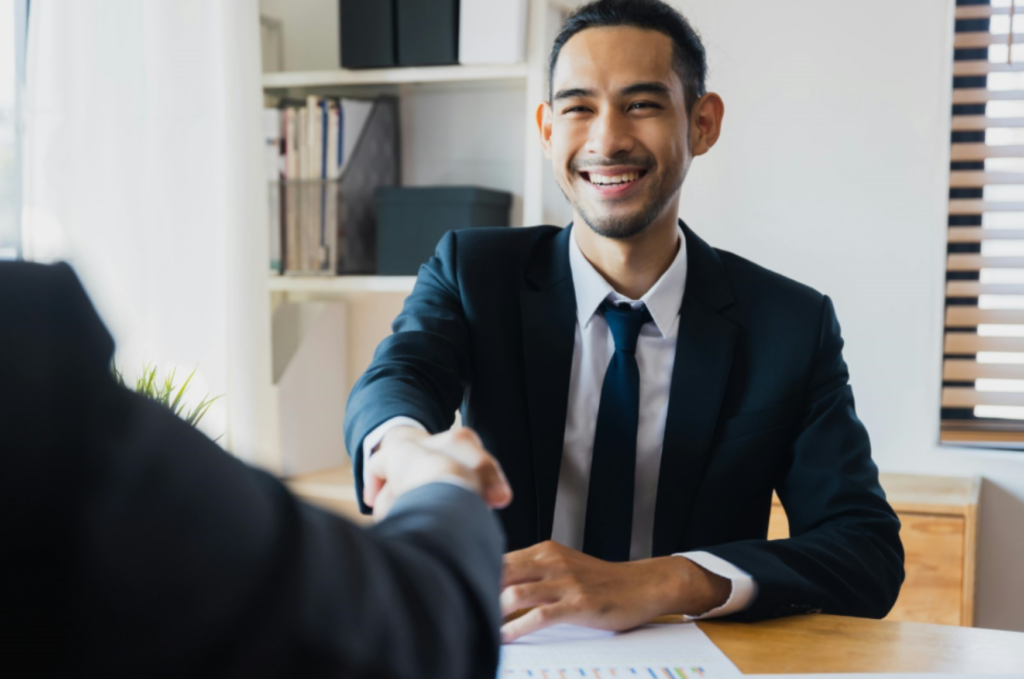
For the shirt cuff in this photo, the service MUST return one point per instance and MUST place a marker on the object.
(373, 439)
(744, 587)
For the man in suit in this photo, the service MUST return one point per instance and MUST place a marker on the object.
(644, 392)
(134, 546)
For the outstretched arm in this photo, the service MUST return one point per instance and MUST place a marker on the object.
(134, 545)
(419, 372)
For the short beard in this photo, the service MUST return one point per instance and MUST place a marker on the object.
(626, 227)
(623, 228)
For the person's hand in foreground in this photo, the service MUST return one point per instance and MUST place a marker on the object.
(408, 462)
(561, 585)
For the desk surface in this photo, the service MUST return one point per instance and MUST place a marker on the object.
(828, 643)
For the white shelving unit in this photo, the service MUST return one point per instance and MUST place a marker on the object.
(341, 77)
(372, 301)
(339, 285)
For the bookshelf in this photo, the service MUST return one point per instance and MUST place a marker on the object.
(497, 104)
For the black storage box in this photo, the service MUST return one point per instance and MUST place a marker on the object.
(428, 32)
(410, 221)
(367, 33)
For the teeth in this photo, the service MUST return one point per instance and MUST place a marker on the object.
(614, 179)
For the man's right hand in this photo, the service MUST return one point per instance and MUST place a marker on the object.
(409, 458)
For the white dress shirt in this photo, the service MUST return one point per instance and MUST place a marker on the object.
(592, 352)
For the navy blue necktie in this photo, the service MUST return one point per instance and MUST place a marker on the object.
(609, 521)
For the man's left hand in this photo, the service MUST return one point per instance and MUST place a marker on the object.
(561, 585)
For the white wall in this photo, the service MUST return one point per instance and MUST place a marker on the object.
(309, 32)
(832, 169)
(465, 135)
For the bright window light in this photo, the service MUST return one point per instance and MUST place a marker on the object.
(1007, 191)
(986, 330)
(1006, 165)
(1016, 386)
(1006, 81)
(1000, 23)
(997, 53)
(1002, 276)
(1003, 220)
(1000, 412)
(1003, 136)
(1005, 109)
(9, 222)
(1001, 301)
(1006, 357)
(1002, 248)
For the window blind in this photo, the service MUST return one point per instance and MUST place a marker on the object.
(983, 358)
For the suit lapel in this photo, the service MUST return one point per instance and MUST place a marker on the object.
(549, 331)
(704, 351)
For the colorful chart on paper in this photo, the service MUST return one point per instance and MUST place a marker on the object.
(608, 673)
(650, 652)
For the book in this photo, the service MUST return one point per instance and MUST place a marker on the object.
(311, 221)
(272, 133)
(333, 137)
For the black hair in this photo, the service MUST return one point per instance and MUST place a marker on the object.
(688, 57)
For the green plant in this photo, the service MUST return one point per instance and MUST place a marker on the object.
(166, 393)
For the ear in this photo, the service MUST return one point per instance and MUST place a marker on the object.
(544, 127)
(706, 123)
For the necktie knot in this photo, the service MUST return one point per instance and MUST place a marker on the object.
(625, 323)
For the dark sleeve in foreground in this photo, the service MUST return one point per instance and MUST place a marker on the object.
(133, 545)
(422, 369)
(844, 555)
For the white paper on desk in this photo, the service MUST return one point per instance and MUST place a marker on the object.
(886, 675)
(564, 650)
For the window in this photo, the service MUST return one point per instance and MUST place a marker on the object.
(983, 364)
(13, 20)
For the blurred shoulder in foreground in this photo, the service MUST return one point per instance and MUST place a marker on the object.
(133, 545)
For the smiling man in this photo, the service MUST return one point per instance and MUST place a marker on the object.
(644, 392)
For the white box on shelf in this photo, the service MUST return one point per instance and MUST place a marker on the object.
(492, 31)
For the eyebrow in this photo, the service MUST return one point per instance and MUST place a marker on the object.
(571, 93)
(646, 88)
(636, 88)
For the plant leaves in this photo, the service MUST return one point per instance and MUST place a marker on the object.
(148, 385)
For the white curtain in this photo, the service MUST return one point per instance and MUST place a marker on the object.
(143, 168)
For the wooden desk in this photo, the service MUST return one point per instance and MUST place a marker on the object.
(940, 528)
(828, 643)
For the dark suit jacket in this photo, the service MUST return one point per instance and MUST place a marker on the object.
(131, 545)
(759, 401)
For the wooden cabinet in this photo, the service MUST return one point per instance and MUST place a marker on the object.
(939, 515)
(940, 522)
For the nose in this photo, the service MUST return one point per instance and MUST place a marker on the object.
(610, 134)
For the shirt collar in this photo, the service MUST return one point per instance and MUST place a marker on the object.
(663, 300)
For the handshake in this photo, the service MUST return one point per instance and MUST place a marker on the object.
(409, 458)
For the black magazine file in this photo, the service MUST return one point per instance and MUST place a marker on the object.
(374, 163)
